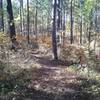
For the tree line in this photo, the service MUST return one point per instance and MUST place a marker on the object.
(76, 18)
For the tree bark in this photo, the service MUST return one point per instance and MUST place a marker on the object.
(21, 15)
(11, 20)
(11, 25)
(71, 20)
(28, 23)
(59, 16)
(54, 42)
(36, 24)
(81, 31)
(1, 17)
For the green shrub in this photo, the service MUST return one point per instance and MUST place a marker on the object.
(73, 53)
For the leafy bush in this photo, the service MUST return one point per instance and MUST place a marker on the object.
(73, 53)
(3, 38)
(94, 60)
(2, 65)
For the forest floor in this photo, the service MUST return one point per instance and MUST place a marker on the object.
(33, 75)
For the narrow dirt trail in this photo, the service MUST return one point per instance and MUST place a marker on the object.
(44, 74)
(50, 74)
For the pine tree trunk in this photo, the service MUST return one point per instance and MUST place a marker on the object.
(59, 15)
(54, 42)
(1, 17)
(11, 25)
(64, 22)
(21, 19)
(71, 20)
(81, 31)
(36, 24)
(28, 23)
(11, 20)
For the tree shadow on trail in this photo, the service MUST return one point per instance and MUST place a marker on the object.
(32, 94)
(46, 61)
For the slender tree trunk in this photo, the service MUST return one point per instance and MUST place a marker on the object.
(64, 23)
(20, 19)
(36, 23)
(11, 19)
(23, 27)
(95, 23)
(28, 23)
(33, 22)
(90, 27)
(21, 12)
(81, 25)
(41, 30)
(11, 25)
(54, 42)
(71, 20)
(59, 15)
(89, 36)
(1, 17)
(48, 24)
(48, 18)
(81, 31)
